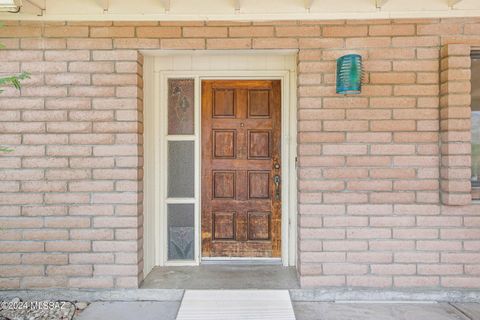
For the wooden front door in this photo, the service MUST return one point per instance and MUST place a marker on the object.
(241, 176)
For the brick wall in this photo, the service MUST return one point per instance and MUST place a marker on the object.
(370, 213)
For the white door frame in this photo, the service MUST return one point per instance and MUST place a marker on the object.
(156, 115)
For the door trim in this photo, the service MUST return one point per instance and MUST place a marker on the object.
(157, 111)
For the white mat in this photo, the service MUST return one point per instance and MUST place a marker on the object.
(236, 304)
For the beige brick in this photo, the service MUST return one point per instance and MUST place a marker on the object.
(86, 43)
(125, 270)
(392, 125)
(114, 246)
(93, 162)
(91, 258)
(93, 91)
(42, 43)
(350, 197)
(229, 43)
(115, 127)
(393, 78)
(392, 197)
(114, 79)
(415, 281)
(368, 161)
(343, 268)
(44, 186)
(439, 29)
(67, 79)
(369, 257)
(44, 211)
(67, 222)
(416, 257)
(392, 30)
(68, 103)
(463, 282)
(20, 270)
(205, 32)
(423, 41)
(124, 198)
(182, 44)
(20, 31)
(112, 32)
(91, 210)
(21, 55)
(22, 246)
(67, 55)
(45, 234)
(94, 282)
(68, 246)
(44, 258)
(371, 281)
(65, 31)
(67, 174)
(70, 270)
(298, 31)
(90, 234)
(393, 269)
(272, 43)
(247, 32)
(391, 245)
(126, 234)
(67, 198)
(90, 186)
(115, 55)
(321, 281)
(91, 139)
(129, 43)
(21, 174)
(159, 32)
(376, 42)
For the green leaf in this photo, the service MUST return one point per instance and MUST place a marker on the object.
(13, 80)
(5, 149)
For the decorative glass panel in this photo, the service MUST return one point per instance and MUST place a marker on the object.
(181, 236)
(181, 95)
(476, 126)
(181, 170)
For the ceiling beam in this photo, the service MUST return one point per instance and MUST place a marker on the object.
(104, 4)
(308, 4)
(380, 3)
(40, 9)
(452, 3)
(237, 4)
(166, 4)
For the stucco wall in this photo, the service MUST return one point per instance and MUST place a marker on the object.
(370, 213)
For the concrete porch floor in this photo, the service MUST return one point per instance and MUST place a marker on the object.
(222, 277)
(303, 311)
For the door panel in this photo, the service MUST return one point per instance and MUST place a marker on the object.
(241, 207)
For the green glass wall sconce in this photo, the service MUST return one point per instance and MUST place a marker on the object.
(349, 74)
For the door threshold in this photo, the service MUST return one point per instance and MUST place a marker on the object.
(241, 261)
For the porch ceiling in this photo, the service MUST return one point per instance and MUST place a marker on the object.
(240, 9)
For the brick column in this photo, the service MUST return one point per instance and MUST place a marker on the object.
(455, 124)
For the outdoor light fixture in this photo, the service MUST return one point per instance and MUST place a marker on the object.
(349, 74)
(10, 5)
